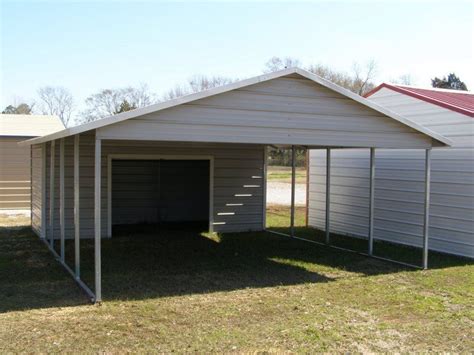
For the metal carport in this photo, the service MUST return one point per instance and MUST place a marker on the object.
(230, 126)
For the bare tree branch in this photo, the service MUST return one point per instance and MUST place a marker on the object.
(196, 84)
(363, 78)
(109, 102)
(277, 63)
(404, 79)
(56, 101)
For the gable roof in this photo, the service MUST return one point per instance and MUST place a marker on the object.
(455, 100)
(233, 86)
(29, 125)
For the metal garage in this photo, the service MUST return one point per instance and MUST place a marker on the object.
(229, 127)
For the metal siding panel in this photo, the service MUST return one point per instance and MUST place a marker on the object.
(15, 175)
(306, 115)
(399, 184)
(236, 165)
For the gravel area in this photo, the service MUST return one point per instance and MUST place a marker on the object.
(279, 193)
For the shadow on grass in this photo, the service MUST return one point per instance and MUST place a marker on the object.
(397, 252)
(30, 277)
(148, 262)
(140, 264)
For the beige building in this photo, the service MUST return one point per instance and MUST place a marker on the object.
(15, 160)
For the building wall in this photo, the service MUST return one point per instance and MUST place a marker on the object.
(15, 192)
(287, 110)
(238, 170)
(36, 186)
(399, 183)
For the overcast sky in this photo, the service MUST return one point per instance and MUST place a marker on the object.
(87, 46)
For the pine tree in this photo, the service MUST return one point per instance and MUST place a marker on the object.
(126, 106)
(451, 82)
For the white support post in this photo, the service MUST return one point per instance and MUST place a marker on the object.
(77, 228)
(264, 185)
(44, 152)
(31, 185)
(97, 217)
(426, 219)
(371, 201)
(211, 195)
(109, 196)
(293, 182)
(328, 193)
(51, 193)
(61, 198)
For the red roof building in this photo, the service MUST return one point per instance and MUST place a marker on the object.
(456, 100)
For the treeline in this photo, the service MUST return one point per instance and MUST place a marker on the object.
(282, 156)
(59, 101)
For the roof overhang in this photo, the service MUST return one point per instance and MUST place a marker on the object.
(438, 139)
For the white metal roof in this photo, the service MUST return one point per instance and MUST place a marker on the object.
(222, 89)
(29, 125)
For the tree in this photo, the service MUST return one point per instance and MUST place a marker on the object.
(56, 101)
(451, 82)
(125, 106)
(21, 109)
(359, 81)
(404, 79)
(277, 63)
(200, 82)
(177, 91)
(139, 96)
(339, 78)
(10, 110)
(195, 84)
(362, 82)
(110, 102)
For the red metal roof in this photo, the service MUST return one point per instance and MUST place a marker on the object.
(459, 101)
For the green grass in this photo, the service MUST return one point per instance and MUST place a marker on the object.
(283, 174)
(182, 290)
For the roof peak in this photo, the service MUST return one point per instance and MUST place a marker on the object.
(233, 86)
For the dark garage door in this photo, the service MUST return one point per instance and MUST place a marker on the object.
(154, 191)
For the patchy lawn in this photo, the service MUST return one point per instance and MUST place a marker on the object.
(181, 290)
(283, 174)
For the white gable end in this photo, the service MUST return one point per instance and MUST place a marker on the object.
(284, 111)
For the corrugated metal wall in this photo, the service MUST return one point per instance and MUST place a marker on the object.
(15, 192)
(399, 183)
(238, 184)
